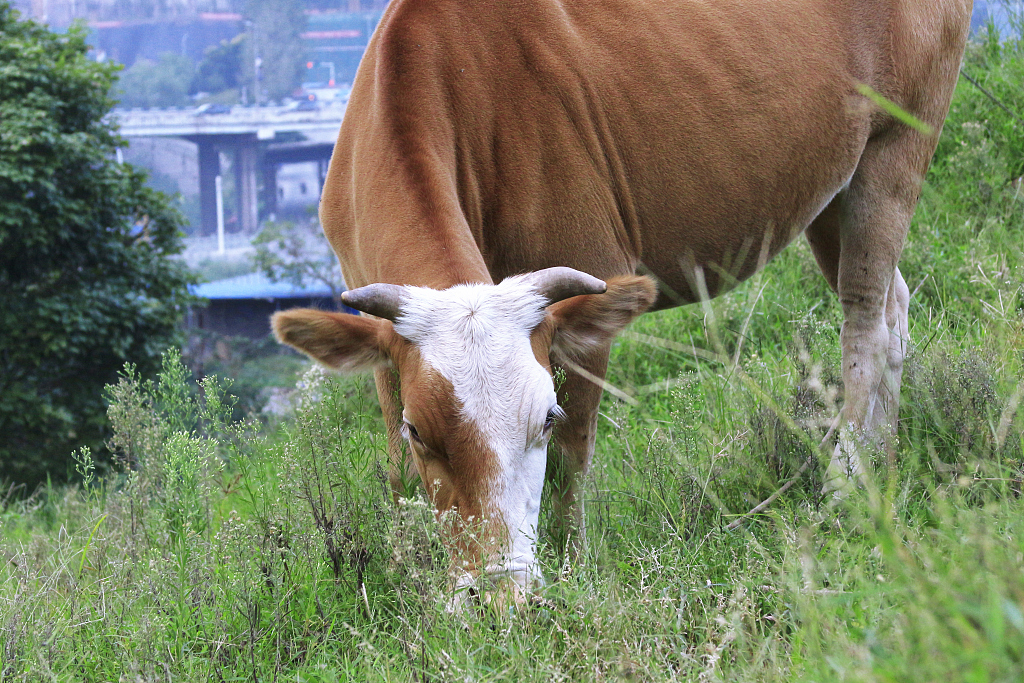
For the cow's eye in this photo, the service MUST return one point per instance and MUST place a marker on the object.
(555, 415)
(410, 430)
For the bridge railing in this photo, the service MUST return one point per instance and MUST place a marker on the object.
(255, 116)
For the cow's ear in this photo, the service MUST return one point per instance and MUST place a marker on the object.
(341, 341)
(588, 322)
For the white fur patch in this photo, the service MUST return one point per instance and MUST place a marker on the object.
(478, 338)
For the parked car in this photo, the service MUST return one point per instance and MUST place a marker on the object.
(307, 103)
(211, 108)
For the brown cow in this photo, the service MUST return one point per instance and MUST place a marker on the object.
(689, 140)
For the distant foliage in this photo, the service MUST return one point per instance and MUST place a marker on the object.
(299, 255)
(220, 68)
(85, 279)
(278, 47)
(164, 83)
(974, 119)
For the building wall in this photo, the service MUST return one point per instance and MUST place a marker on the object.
(169, 156)
(247, 317)
(63, 12)
(298, 187)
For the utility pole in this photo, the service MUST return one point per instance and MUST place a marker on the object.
(257, 62)
(220, 214)
(329, 65)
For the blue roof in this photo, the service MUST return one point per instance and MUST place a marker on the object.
(257, 286)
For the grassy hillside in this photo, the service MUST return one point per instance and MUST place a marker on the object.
(229, 551)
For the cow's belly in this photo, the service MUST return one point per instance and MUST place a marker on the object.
(686, 190)
(726, 222)
(727, 225)
(738, 139)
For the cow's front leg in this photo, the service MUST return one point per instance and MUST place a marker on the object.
(573, 452)
(401, 470)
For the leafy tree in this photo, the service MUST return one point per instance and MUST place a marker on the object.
(220, 68)
(85, 279)
(156, 84)
(299, 255)
(276, 27)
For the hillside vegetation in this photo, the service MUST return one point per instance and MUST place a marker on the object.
(227, 551)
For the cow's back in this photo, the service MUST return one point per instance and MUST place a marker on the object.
(486, 139)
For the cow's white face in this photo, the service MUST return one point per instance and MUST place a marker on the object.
(478, 339)
(478, 398)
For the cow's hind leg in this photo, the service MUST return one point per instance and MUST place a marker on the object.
(857, 241)
(823, 236)
(573, 452)
(885, 416)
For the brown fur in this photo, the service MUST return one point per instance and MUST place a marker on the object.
(343, 342)
(689, 140)
(584, 324)
(508, 137)
(454, 463)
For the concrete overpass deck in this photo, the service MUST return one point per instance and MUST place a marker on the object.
(249, 133)
(263, 122)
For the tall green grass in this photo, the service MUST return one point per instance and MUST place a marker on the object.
(225, 551)
(221, 553)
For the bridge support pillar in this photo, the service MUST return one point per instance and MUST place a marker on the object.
(269, 187)
(245, 181)
(209, 169)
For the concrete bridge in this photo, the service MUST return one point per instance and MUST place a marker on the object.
(258, 137)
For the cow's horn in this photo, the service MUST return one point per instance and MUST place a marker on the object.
(559, 283)
(380, 299)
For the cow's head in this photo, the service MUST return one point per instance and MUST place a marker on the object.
(479, 401)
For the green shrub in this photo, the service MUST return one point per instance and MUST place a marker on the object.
(86, 278)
